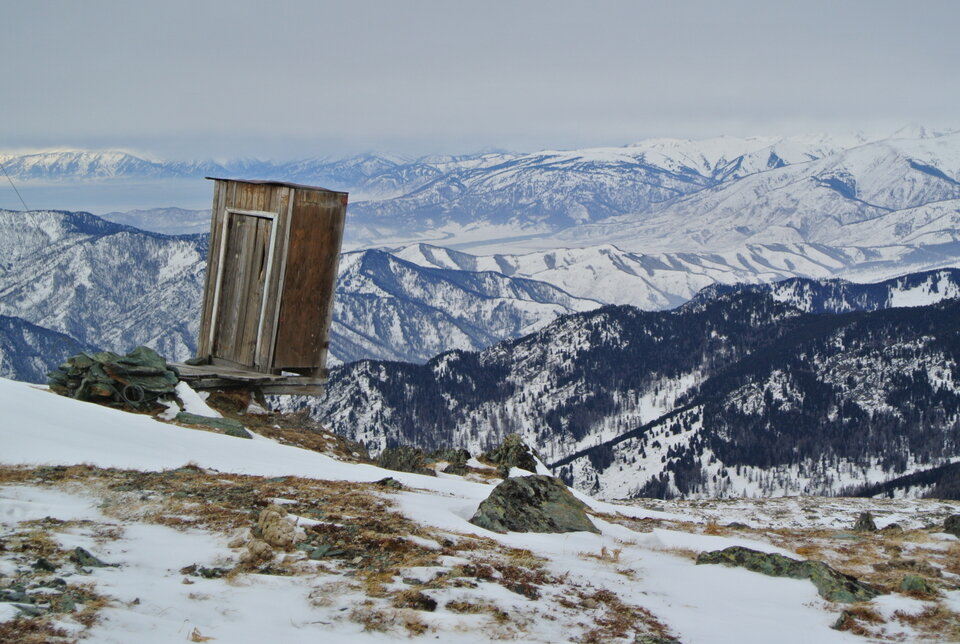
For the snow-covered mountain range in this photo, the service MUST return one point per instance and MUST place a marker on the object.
(774, 380)
(113, 286)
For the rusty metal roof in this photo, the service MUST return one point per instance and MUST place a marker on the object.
(270, 182)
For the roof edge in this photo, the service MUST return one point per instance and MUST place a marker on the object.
(270, 182)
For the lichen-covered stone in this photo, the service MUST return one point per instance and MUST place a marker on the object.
(82, 557)
(916, 584)
(513, 452)
(240, 540)
(832, 584)
(450, 455)
(951, 525)
(533, 504)
(390, 482)
(459, 469)
(405, 459)
(865, 523)
(228, 426)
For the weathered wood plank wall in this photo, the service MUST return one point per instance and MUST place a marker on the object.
(315, 235)
(275, 248)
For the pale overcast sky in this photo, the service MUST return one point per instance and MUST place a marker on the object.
(199, 79)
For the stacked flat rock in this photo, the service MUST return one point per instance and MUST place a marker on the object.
(139, 377)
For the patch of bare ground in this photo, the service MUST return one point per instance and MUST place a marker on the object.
(883, 559)
(48, 586)
(23, 630)
(907, 544)
(297, 428)
(935, 623)
(361, 560)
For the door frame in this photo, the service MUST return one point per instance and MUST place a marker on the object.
(271, 248)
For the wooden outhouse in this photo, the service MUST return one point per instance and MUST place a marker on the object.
(271, 272)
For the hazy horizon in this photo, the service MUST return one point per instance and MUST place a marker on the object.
(219, 80)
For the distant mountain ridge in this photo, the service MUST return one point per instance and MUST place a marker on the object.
(655, 196)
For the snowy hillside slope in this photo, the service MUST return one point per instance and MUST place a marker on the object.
(400, 311)
(164, 516)
(26, 349)
(104, 284)
(592, 378)
(840, 296)
(860, 400)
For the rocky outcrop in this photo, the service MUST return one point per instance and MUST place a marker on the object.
(832, 584)
(533, 504)
(513, 452)
(405, 459)
(951, 525)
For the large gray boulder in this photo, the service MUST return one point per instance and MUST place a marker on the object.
(832, 584)
(533, 504)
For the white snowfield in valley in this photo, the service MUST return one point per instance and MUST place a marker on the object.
(658, 281)
(150, 599)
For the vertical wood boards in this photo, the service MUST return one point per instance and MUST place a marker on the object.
(271, 274)
(242, 287)
(279, 202)
(312, 256)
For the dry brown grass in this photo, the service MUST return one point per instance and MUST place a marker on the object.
(936, 622)
(615, 619)
(713, 528)
(297, 429)
(611, 555)
(15, 474)
(32, 631)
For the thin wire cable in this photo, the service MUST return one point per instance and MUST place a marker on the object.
(13, 186)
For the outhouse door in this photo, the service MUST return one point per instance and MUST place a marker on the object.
(240, 298)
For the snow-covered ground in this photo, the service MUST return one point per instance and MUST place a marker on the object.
(637, 575)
